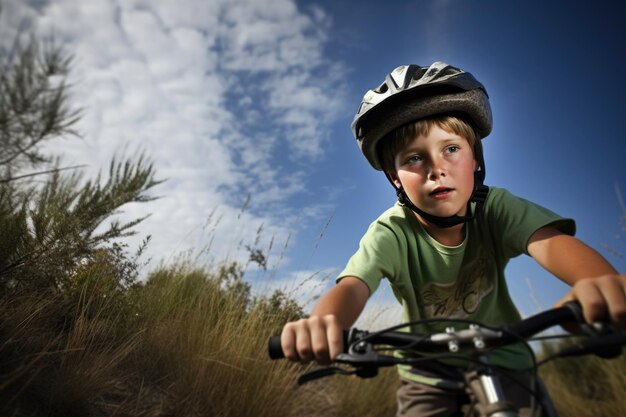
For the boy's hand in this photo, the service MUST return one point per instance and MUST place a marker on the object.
(318, 338)
(602, 298)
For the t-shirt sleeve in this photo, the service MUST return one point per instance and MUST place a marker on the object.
(377, 256)
(515, 219)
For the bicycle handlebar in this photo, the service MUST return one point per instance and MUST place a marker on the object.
(571, 312)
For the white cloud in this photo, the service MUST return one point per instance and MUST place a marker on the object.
(218, 94)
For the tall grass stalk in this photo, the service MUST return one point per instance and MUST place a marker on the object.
(192, 341)
(587, 386)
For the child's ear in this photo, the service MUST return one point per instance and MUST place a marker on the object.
(395, 179)
(476, 165)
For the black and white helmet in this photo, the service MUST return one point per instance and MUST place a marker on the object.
(411, 92)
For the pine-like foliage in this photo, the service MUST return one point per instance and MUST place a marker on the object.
(34, 104)
(51, 226)
(48, 231)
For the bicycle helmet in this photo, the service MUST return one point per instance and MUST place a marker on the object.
(412, 92)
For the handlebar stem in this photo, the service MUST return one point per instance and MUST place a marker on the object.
(476, 335)
(488, 392)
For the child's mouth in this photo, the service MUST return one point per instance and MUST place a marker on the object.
(441, 192)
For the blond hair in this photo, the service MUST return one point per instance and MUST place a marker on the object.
(396, 140)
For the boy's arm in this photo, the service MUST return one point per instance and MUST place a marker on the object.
(595, 283)
(320, 336)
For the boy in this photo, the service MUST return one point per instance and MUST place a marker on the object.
(445, 245)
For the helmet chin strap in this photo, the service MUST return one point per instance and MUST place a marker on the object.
(479, 195)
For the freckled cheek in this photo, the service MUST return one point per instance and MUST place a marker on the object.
(411, 175)
(467, 178)
(412, 183)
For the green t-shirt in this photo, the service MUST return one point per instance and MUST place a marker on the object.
(431, 280)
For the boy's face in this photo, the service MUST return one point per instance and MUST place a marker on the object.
(437, 172)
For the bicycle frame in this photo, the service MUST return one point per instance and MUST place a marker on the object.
(490, 401)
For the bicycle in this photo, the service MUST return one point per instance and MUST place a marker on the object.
(364, 354)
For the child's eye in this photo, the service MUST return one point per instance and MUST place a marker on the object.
(452, 149)
(413, 159)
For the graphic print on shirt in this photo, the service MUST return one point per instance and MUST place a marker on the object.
(461, 298)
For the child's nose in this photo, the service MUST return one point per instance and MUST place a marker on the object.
(436, 169)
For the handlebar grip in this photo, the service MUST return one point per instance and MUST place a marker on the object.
(570, 312)
(274, 348)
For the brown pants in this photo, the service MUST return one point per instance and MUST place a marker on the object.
(420, 400)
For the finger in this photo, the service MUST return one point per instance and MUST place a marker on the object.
(303, 342)
(613, 289)
(334, 333)
(288, 342)
(319, 340)
(588, 293)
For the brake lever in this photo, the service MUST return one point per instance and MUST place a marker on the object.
(322, 373)
(361, 356)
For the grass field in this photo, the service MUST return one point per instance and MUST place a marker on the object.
(192, 342)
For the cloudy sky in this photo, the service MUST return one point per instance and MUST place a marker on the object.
(245, 108)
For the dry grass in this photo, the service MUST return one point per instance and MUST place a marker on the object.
(187, 344)
(587, 386)
(182, 345)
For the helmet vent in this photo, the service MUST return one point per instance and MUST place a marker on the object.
(415, 74)
(382, 89)
(431, 72)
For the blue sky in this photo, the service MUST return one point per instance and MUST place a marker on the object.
(552, 73)
(251, 101)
